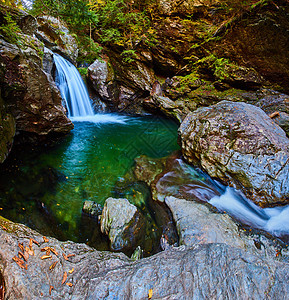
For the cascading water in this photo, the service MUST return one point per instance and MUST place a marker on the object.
(72, 88)
(75, 95)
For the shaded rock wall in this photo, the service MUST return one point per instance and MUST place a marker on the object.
(30, 100)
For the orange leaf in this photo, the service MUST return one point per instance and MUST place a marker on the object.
(45, 239)
(71, 271)
(46, 256)
(21, 255)
(4, 227)
(48, 251)
(21, 247)
(69, 284)
(30, 243)
(50, 289)
(44, 249)
(54, 251)
(35, 242)
(150, 293)
(20, 262)
(29, 251)
(64, 256)
(53, 265)
(26, 255)
(64, 277)
(69, 255)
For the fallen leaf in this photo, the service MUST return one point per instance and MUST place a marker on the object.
(29, 251)
(69, 255)
(54, 251)
(274, 114)
(64, 256)
(34, 241)
(150, 293)
(48, 251)
(45, 239)
(44, 249)
(20, 262)
(41, 294)
(64, 277)
(30, 243)
(71, 271)
(50, 289)
(46, 256)
(69, 284)
(4, 227)
(21, 247)
(22, 255)
(53, 265)
(26, 255)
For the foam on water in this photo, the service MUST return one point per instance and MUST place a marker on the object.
(273, 220)
(101, 119)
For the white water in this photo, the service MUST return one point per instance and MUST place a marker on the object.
(273, 220)
(72, 88)
(101, 119)
(75, 95)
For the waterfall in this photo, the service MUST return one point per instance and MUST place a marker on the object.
(72, 88)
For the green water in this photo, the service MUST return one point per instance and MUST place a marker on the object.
(46, 191)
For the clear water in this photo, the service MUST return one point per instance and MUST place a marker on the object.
(46, 191)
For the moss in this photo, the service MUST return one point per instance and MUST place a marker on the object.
(83, 71)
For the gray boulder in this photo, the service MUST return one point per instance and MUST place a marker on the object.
(101, 75)
(196, 224)
(239, 144)
(202, 272)
(122, 222)
(91, 208)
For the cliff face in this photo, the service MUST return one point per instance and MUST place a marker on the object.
(215, 48)
(30, 101)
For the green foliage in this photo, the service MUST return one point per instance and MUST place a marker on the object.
(89, 50)
(129, 55)
(83, 71)
(219, 66)
(11, 31)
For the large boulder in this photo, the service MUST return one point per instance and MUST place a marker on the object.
(239, 144)
(101, 76)
(196, 224)
(56, 36)
(29, 94)
(201, 272)
(122, 222)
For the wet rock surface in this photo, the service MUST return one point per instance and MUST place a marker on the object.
(122, 222)
(196, 224)
(91, 208)
(239, 144)
(30, 94)
(55, 36)
(197, 273)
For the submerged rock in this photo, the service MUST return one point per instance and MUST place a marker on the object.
(122, 222)
(239, 144)
(201, 272)
(91, 208)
